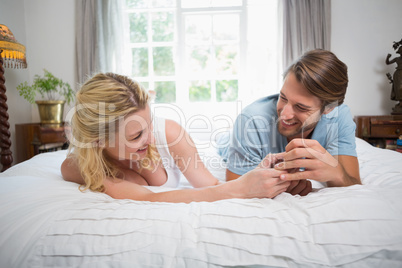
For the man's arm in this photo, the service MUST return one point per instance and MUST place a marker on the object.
(351, 174)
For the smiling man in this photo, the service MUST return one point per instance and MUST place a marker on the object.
(307, 127)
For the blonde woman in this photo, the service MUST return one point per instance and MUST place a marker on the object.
(117, 147)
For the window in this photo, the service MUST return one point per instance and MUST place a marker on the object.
(153, 42)
(194, 53)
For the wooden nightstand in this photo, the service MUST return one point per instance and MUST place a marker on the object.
(33, 139)
(379, 130)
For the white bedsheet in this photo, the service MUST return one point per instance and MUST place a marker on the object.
(47, 222)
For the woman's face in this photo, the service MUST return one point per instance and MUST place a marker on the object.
(133, 136)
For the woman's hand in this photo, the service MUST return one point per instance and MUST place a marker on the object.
(261, 183)
(300, 187)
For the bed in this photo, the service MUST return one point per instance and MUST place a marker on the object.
(47, 222)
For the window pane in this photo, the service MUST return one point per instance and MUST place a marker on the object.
(165, 91)
(227, 90)
(163, 3)
(144, 84)
(198, 28)
(138, 27)
(226, 27)
(140, 62)
(136, 3)
(163, 61)
(200, 91)
(226, 60)
(162, 26)
(198, 59)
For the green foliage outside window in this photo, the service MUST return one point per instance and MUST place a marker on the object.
(200, 91)
(140, 62)
(136, 3)
(200, 57)
(162, 27)
(138, 27)
(226, 90)
(165, 92)
(163, 61)
(226, 57)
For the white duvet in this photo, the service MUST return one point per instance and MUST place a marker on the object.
(47, 222)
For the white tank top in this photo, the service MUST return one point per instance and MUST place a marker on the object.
(172, 171)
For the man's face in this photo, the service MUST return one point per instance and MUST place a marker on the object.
(298, 110)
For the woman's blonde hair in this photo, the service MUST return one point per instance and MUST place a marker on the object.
(101, 102)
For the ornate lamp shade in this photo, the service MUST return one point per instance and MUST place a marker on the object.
(12, 55)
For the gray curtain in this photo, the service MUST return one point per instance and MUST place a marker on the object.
(85, 40)
(112, 37)
(101, 38)
(306, 25)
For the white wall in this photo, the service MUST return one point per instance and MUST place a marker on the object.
(50, 34)
(363, 32)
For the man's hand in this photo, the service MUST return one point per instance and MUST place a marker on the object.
(312, 161)
(300, 187)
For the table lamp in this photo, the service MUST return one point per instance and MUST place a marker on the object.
(12, 55)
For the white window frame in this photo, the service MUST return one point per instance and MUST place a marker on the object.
(182, 87)
(150, 45)
(178, 45)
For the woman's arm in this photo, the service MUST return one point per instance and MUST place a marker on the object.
(258, 183)
(70, 171)
(183, 150)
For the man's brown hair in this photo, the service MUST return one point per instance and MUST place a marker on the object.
(323, 75)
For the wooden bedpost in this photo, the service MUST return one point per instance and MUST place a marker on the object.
(5, 142)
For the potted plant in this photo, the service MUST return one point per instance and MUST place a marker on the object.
(51, 89)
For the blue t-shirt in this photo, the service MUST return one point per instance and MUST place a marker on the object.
(255, 134)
